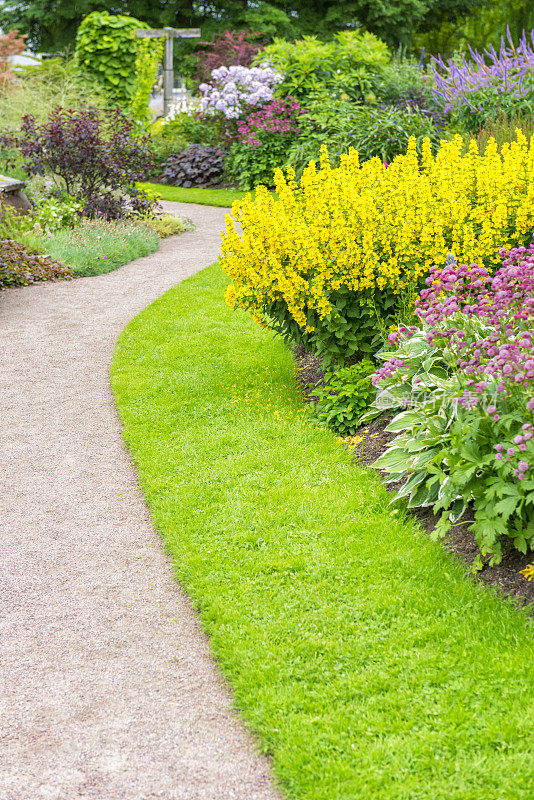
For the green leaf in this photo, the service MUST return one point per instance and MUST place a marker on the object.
(506, 506)
(393, 460)
(520, 543)
(458, 510)
(406, 419)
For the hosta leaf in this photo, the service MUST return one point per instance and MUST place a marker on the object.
(458, 510)
(406, 419)
(412, 483)
(393, 460)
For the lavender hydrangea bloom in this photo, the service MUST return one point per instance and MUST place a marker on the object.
(233, 88)
(503, 71)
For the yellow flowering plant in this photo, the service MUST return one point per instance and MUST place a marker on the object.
(334, 260)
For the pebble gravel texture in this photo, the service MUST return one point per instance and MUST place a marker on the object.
(107, 686)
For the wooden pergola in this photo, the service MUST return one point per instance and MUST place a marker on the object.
(169, 34)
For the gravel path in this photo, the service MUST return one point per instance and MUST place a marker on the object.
(107, 686)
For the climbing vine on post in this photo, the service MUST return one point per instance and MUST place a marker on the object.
(126, 67)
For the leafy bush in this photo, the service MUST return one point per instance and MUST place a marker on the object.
(344, 397)
(48, 214)
(417, 100)
(332, 262)
(169, 225)
(97, 160)
(383, 132)
(468, 375)
(106, 45)
(315, 69)
(53, 213)
(232, 89)
(162, 147)
(264, 137)
(476, 91)
(21, 265)
(398, 78)
(195, 128)
(229, 47)
(196, 166)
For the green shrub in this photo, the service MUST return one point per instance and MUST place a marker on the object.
(398, 78)
(382, 131)
(124, 65)
(248, 166)
(192, 127)
(345, 395)
(164, 146)
(316, 69)
(48, 214)
(169, 225)
(21, 265)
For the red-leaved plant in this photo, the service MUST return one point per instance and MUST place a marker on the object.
(11, 44)
(97, 159)
(230, 48)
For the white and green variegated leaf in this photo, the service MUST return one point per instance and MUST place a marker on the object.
(458, 509)
(404, 420)
(412, 483)
(393, 477)
(423, 496)
(393, 460)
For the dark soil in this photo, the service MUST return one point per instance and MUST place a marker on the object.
(370, 442)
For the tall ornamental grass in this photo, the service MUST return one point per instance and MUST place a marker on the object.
(330, 261)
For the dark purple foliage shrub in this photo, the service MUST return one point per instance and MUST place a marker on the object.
(98, 159)
(196, 166)
(234, 48)
(21, 265)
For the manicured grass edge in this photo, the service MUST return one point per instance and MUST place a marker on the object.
(222, 198)
(362, 655)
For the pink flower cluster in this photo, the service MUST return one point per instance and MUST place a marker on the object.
(504, 302)
(508, 296)
(278, 116)
(504, 453)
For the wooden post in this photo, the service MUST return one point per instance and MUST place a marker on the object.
(168, 74)
(170, 35)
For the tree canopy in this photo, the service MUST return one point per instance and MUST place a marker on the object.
(51, 24)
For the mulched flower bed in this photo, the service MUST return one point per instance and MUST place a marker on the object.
(370, 442)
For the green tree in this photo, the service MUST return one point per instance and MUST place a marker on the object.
(51, 24)
(482, 28)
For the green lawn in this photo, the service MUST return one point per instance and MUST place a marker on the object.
(203, 197)
(367, 661)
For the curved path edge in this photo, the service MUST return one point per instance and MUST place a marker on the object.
(108, 690)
